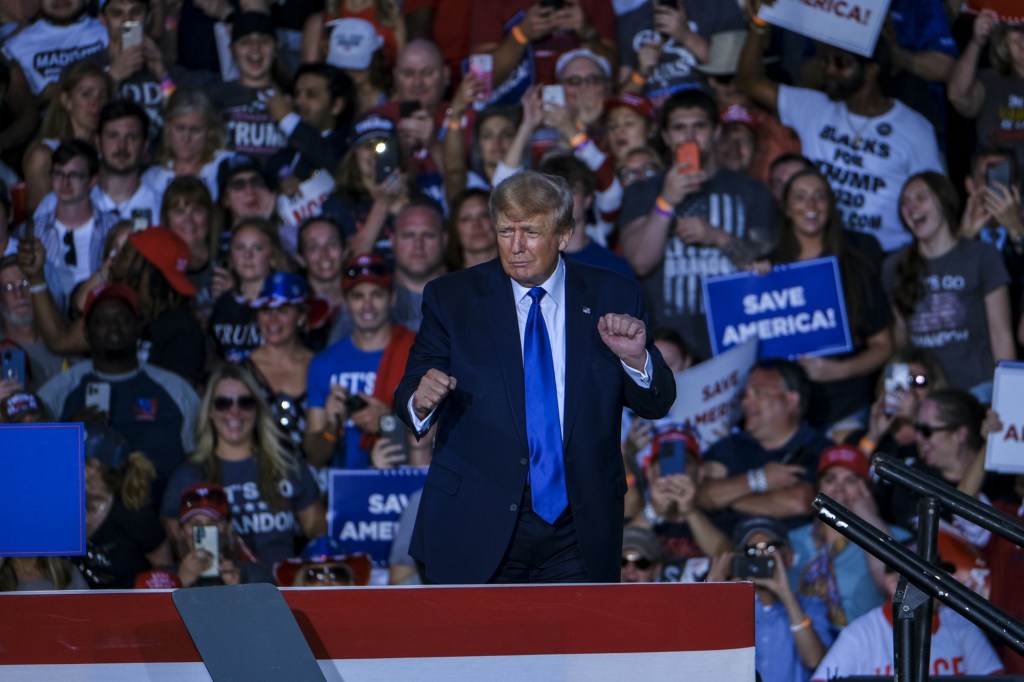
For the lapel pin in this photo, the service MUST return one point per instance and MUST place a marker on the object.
(586, 310)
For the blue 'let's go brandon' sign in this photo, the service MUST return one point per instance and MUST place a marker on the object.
(796, 309)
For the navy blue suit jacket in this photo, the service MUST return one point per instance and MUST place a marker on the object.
(476, 480)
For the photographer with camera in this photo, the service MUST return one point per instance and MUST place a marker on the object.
(792, 631)
(351, 382)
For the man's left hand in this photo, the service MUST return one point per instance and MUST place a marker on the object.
(626, 336)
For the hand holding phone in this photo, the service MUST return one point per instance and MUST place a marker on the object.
(672, 457)
(207, 539)
(131, 34)
(13, 365)
(393, 433)
(97, 395)
(688, 158)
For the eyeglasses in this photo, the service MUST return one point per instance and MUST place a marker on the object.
(322, 573)
(252, 182)
(373, 269)
(641, 562)
(628, 175)
(11, 287)
(68, 175)
(223, 403)
(927, 430)
(763, 548)
(577, 81)
(71, 255)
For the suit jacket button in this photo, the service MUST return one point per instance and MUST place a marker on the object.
(513, 507)
(524, 461)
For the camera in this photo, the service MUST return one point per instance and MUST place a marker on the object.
(753, 567)
(354, 403)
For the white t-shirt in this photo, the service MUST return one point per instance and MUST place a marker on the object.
(864, 647)
(82, 235)
(866, 160)
(44, 50)
(144, 199)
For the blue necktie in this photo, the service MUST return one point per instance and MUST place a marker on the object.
(543, 432)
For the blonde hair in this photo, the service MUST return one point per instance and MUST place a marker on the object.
(187, 100)
(274, 463)
(56, 569)
(57, 124)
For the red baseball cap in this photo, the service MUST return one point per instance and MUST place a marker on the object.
(101, 292)
(168, 253)
(846, 456)
(366, 267)
(157, 579)
(204, 498)
(675, 434)
(737, 113)
(637, 103)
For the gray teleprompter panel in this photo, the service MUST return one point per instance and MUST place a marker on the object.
(245, 633)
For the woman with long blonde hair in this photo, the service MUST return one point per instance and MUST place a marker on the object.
(239, 447)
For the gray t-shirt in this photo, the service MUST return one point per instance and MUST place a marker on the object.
(949, 320)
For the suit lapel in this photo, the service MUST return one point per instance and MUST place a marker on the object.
(580, 319)
(503, 323)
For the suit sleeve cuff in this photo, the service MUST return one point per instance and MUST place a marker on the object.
(642, 379)
(288, 124)
(421, 425)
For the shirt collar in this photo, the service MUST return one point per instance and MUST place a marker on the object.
(553, 285)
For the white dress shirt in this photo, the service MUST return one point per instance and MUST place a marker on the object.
(552, 307)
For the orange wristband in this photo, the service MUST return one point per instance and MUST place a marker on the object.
(637, 78)
(663, 207)
(328, 436)
(578, 140)
(758, 21)
(519, 36)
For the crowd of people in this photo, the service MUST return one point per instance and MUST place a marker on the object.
(218, 220)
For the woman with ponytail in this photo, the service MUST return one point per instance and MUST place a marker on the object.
(124, 535)
(948, 294)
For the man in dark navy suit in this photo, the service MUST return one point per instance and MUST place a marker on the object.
(524, 364)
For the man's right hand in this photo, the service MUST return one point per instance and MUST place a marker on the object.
(31, 258)
(679, 185)
(434, 386)
(781, 475)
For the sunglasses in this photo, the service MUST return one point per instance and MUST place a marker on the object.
(724, 79)
(642, 563)
(629, 175)
(223, 403)
(927, 430)
(577, 81)
(323, 573)
(71, 255)
(252, 182)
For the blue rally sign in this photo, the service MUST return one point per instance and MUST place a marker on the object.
(42, 485)
(364, 506)
(796, 309)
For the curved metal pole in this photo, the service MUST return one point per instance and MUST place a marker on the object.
(928, 578)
